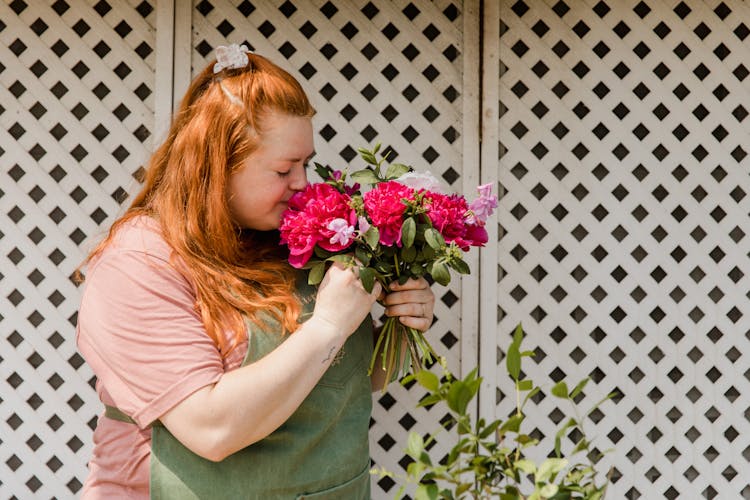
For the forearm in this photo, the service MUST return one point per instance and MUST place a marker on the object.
(249, 403)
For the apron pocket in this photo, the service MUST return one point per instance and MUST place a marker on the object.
(357, 488)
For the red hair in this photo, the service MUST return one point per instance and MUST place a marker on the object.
(235, 272)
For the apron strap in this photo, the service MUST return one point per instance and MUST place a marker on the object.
(117, 414)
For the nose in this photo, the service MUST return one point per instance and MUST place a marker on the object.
(299, 179)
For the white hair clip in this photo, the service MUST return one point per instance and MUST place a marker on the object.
(231, 57)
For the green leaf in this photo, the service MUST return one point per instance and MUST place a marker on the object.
(440, 273)
(460, 266)
(426, 492)
(367, 276)
(368, 156)
(415, 445)
(458, 397)
(408, 231)
(433, 238)
(560, 390)
(525, 466)
(408, 254)
(345, 259)
(561, 432)
(323, 171)
(513, 361)
(428, 380)
(316, 273)
(513, 424)
(548, 468)
(365, 176)
(548, 490)
(583, 444)
(530, 395)
(485, 433)
(321, 253)
(372, 236)
(430, 399)
(396, 170)
(579, 388)
(525, 385)
(362, 255)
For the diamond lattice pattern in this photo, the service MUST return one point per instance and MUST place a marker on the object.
(624, 138)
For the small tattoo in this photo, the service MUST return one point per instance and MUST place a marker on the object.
(330, 353)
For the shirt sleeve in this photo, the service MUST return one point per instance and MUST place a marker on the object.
(140, 333)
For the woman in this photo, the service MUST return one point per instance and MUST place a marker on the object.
(223, 374)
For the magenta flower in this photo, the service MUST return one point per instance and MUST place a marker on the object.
(385, 207)
(306, 222)
(448, 215)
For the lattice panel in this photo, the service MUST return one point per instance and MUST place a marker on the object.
(76, 83)
(624, 137)
(380, 71)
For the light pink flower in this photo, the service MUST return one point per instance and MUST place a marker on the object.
(484, 206)
(343, 232)
(363, 224)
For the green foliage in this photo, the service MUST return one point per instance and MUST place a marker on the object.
(488, 460)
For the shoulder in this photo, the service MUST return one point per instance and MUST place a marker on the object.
(137, 257)
(140, 234)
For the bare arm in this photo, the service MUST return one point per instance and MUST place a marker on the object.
(249, 403)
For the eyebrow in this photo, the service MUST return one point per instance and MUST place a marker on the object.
(306, 159)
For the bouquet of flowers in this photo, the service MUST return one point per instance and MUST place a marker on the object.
(403, 227)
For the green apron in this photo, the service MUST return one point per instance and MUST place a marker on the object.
(320, 452)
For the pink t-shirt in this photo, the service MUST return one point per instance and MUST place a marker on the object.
(140, 333)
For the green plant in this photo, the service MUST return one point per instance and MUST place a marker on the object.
(488, 460)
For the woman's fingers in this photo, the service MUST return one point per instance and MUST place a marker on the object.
(412, 302)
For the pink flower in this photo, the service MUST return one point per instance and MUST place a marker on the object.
(447, 213)
(384, 206)
(343, 232)
(363, 223)
(484, 206)
(306, 222)
(475, 236)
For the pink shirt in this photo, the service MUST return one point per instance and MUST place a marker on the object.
(140, 333)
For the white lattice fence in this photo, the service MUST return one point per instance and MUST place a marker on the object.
(76, 115)
(624, 134)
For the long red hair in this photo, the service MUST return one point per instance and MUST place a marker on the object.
(235, 272)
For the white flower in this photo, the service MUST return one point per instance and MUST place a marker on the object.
(422, 180)
(343, 232)
(233, 57)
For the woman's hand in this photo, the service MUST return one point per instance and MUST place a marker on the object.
(342, 301)
(413, 303)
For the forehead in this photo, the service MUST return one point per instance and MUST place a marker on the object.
(283, 132)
